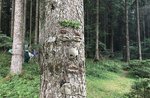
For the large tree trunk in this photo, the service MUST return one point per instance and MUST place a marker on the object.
(37, 23)
(62, 50)
(138, 31)
(127, 33)
(17, 59)
(97, 32)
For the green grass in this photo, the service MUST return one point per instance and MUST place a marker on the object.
(25, 85)
(105, 79)
(114, 87)
(106, 83)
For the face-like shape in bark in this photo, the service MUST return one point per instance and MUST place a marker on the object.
(73, 53)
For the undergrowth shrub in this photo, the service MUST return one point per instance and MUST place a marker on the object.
(145, 49)
(5, 42)
(98, 69)
(140, 89)
(4, 64)
(26, 85)
(140, 68)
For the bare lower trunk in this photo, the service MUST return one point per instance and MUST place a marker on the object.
(112, 42)
(127, 33)
(144, 32)
(30, 35)
(62, 53)
(97, 33)
(138, 31)
(12, 17)
(24, 18)
(37, 23)
(16, 62)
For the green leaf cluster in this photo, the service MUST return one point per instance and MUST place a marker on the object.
(5, 41)
(26, 85)
(70, 23)
(99, 68)
(140, 68)
(140, 89)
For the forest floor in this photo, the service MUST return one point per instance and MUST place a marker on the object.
(105, 79)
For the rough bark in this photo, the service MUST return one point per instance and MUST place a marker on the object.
(16, 62)
(62, 50)
(97, 32)
(138, 31)
(37, 23)
(127, 33)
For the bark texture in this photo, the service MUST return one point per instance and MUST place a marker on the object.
(17, 59)
(24, 18)
(12, 17)
(62, 50)
(138, 31)
(97, 32)
(37, 23)
(30, 35)
(127, 33)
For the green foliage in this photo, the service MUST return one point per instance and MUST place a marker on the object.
(99, 68)
(140, 89)
(25, 85)
(70, 23)
(145, 49)
(140, 68)
(20, 87)
(5, 41)
(4, 64)
(102, 82)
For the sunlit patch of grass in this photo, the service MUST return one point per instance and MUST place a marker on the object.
(108, 88)
(109, 84)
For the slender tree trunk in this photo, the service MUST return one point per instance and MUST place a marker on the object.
(16, 61)
(127, 33)
(25, 8)
(37, 23)
(0, 16)
(105, 27)
(112, 41)
(30, 35)
(144, 32)
(87, 31)
(138, 31)
(92, 54)
(24, 25)
(97, 32)
(12, 17)
(62, 53)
